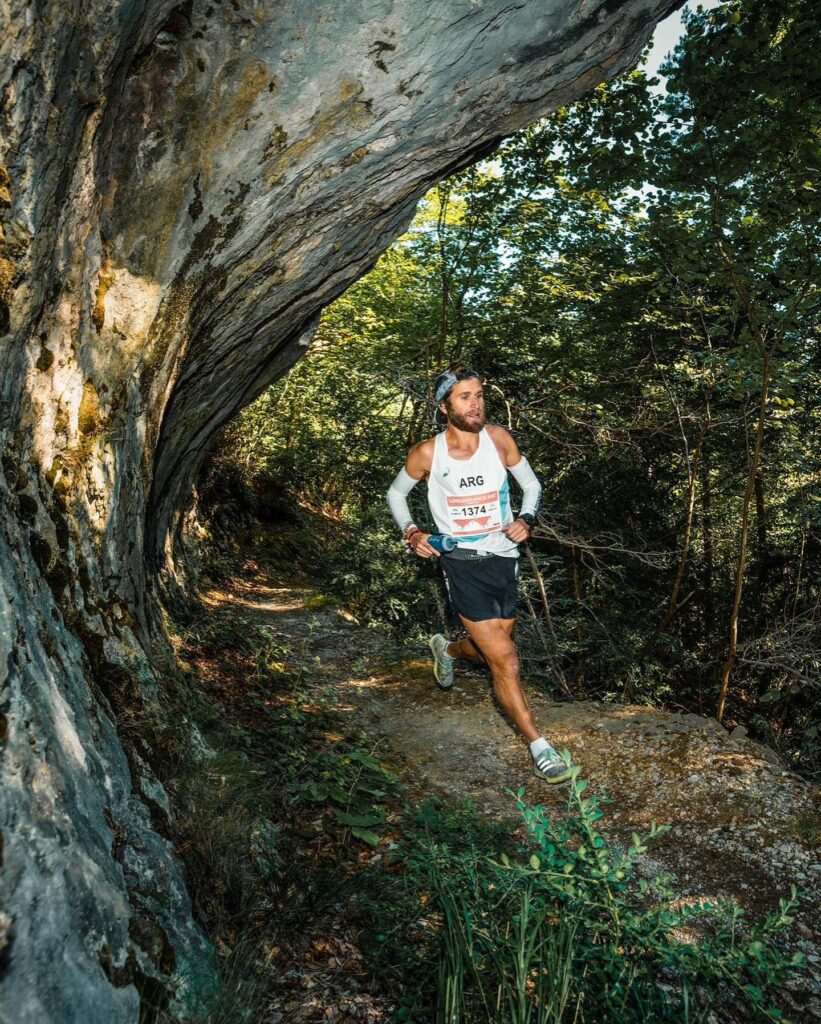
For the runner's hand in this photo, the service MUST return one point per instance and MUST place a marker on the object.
(518, 531)
(419, 545)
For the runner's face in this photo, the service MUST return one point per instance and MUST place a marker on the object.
(465, 405)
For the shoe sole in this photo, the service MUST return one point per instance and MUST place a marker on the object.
(439, 683)
(556, 780)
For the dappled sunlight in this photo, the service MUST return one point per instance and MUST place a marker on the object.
(281, 599)
(371, 683)
(80, 410)
(680, 770)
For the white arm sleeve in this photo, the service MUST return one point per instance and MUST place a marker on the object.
(398, 498)
(531, 488)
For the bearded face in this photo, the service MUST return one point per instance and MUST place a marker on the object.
(472, 423)
(465, 406)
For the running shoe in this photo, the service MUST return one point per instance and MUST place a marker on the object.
(550, 766)
(442, 663)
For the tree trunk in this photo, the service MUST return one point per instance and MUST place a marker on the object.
(755, 461)
(184, 187)
(673, 604)
(707, 541)
(414, 426)
(761, 533)
(445, 278)
(554, 665)
(581, 662)
(707, 574)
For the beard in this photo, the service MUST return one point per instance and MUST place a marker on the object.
(472, 426)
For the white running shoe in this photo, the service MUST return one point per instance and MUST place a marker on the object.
(550, 766)
(442, 663)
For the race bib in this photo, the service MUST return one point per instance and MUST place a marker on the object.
(474, 514)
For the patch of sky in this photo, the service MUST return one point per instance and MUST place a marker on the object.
(667, 34)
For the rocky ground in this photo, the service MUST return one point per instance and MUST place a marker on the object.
(742, 824)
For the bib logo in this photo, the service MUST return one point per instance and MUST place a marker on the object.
(472, 481)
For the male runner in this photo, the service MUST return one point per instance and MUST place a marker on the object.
(466, 467)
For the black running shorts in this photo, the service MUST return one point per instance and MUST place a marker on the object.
(481, 588)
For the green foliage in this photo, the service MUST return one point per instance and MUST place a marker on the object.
(378, 581)
(353, 785)
(567, 929)
(226, 630)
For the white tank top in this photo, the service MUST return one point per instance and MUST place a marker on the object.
(470, 500)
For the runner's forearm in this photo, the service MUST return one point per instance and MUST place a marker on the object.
(531, 488)
(397, 497)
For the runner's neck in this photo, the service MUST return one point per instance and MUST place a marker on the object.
(462, 445)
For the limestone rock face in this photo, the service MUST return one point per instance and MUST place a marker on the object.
(183, 188)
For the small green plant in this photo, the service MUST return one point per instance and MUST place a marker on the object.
(225, 631)
(270, 655)
(354, 785)
(242, 995)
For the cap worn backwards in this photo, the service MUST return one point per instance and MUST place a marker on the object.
(446, 380)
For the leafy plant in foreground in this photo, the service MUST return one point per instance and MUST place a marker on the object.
(566, 930)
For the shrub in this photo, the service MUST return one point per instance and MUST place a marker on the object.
(565, 930)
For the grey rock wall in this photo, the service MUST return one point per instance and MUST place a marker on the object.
(183, 188)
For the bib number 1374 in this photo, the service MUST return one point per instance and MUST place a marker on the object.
(474, 514)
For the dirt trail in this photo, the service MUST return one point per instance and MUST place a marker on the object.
(743, 826)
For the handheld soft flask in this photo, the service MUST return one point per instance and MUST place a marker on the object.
(441, 542)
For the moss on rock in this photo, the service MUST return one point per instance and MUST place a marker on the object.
(88, 419)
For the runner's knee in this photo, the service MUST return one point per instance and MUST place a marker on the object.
(502, 656)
